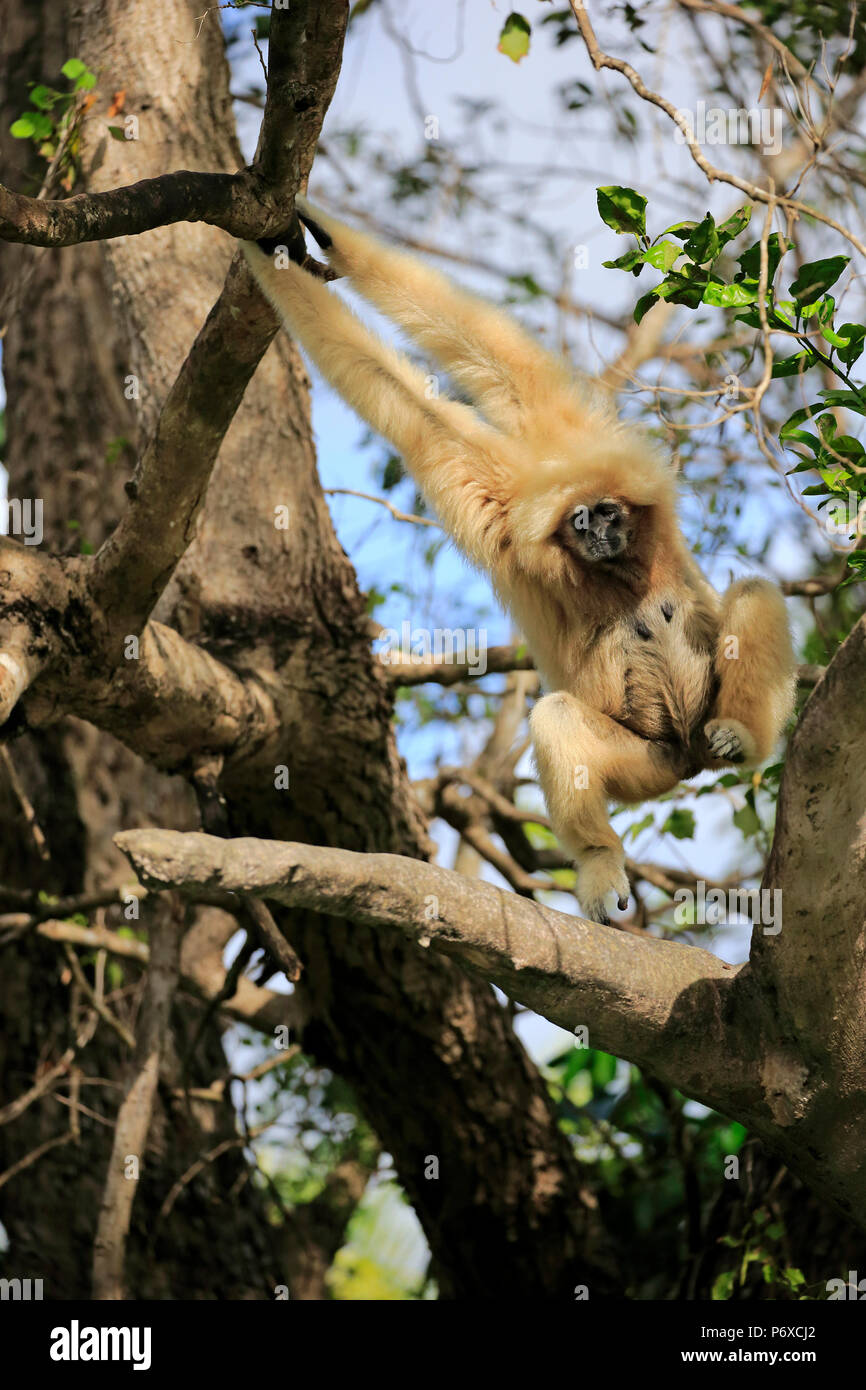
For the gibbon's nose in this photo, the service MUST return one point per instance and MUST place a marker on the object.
(606, 538)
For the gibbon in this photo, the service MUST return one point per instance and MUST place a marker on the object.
(651, 674)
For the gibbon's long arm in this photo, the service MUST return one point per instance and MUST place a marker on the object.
(514, 382)
(459, 462)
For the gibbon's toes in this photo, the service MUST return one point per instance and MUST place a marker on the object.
(595, 911)
(725, 743)
(599, 876)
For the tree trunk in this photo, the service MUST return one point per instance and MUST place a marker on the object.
(431, 1054)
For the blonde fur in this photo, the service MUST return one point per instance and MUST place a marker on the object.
(654, 674)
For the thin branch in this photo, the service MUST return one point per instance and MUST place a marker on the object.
(136, 1110)
(752, 190)
(383, 502)
(497, 660)
(494, 661)
(26, 805)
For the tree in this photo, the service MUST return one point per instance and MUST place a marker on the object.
(186, 679)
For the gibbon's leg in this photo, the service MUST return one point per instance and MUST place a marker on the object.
(583, 760)
(512, 379)
(457, 459)
(756, 673)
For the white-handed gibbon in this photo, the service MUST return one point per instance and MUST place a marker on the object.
(652, 675)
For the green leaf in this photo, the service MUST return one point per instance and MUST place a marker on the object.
(43, 127)
(736, 223)
(816, 278)
(44, 97)
(622, 209)
(703, 243)
(680, 229)
(680, 288)
(854, 340)
(850, 448)
(22, 129)
(746, 820)
(73, 68)
(807, 412)
(680, 824)
(794, 365)
(849, 400)
(750, 261)
(723, 1286)
(641, 825)
(857, 565)
(826, 309)
(514, 38)
(644, 304)
(116, 132)
(86, 82)
(729, 296)
(749, 316)
(629, 260)
(662, 255)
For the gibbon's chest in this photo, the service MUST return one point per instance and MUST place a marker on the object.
(650, 665)
(654, 670)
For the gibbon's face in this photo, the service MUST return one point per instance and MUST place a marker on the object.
(601, 531)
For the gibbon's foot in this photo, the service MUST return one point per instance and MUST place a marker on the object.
(600, 873)
(729, 741)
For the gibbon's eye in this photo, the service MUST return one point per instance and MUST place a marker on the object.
(608, 511)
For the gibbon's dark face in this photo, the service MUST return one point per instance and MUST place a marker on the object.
(600, 532)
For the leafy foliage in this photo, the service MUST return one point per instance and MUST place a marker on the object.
(693, 275)
(50, 121)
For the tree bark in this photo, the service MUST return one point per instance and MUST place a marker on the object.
(506, 1216)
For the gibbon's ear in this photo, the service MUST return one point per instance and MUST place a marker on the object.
(521, 388)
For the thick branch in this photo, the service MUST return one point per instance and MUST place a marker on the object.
(230, 201)
(137, 561)
(634, 994)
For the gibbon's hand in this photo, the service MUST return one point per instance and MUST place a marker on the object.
(293, 240)
(316, 230)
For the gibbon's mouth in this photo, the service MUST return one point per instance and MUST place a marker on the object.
(604, 547)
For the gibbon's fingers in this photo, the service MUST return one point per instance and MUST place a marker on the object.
(516, 384)
(446, 447)
(756, 672)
